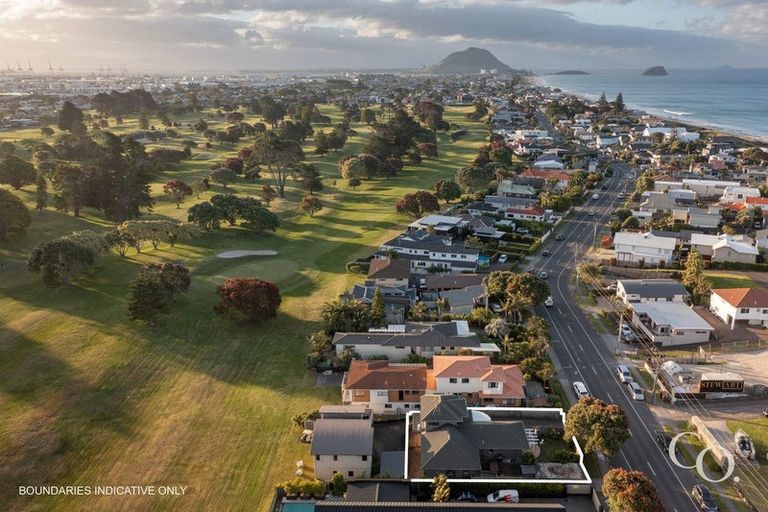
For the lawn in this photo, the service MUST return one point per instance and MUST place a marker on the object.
(731, 280)
(87, 397)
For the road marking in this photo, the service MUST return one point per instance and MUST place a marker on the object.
(629, 466)
(595, 371)
(610, 398)
(651, 468)
(582, 348)
(569, 327)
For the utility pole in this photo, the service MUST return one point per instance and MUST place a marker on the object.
(618, 338)
(655, 380)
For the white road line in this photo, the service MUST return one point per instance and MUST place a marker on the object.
(610, 397)
(595, 371)
(569, 327)
(626, 459)
(582, 348)
(651, 468)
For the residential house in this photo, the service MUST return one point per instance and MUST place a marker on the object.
(384, 387)
(478, 381)
(424, 339)
(549, 161)
(708, 188)
(730, 249)
(463, 300)
(397, 299)
(428, 251)
(442, 225)
(539, 177)
(670, 324)
(634, 291)
(443, 282)
(342, 442)
(389, 271)
(533, 213)
(740, 306)
(762, 202)
(481, 208)
(508, 188)
(457, 443)
(737, 194)
(705, 218)
(643, 249)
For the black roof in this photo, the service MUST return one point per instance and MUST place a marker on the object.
(426, 506)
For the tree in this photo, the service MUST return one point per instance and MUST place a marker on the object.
(61, 259)
(441, 489)
(498, 328)
(631, 491)
(523, 292)
(223, 176)
(378, 313)
(693, 277)
(419, 312)
(120, 241)
(618, 103)
(148, 299)
(14, 215)
(631, 223)
(278, 155)
(352, 167)
(598, 426)
(16, 172)
(322, 143)
(354, 183)
(474, 179)
(447, 190)
(177, 191)
(206, 215)
(41, 192)
(200, 186)
(311, 205)
(308, 178)
(602, 104)
(69, 181)
(747, 217)
(428, 149)
(267, 194)
(418, 203)
(338, 486)
(70, 118)
(254, 299)
(346, 316)
(367, 116)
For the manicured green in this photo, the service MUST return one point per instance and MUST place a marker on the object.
(730, 280)
(87, 397)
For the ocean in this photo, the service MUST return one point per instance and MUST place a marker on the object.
(733, 100)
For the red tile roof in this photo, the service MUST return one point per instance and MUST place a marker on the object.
(533, 210)
(744, 297)
(380, 375)
(543, 173)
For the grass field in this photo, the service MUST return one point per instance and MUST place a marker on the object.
(86, 397)
(731, 280)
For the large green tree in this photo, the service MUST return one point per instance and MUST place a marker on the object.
(62, 259)
(14, 215)
(474, 179)
(693, 276)
(16, 172)
(598, 426)
(278, 156)
(346, 316)
(631, 491)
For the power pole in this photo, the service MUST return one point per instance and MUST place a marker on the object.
(618, 338)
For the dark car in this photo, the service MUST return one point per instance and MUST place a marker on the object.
(704, 498)
(559, 237)
(467, 497)
(664, 440)
(605, 187)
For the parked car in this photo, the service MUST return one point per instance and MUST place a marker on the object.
(546, 252)
(627, 333)
(636, 392)
(503, 258)
(559, 237)
(580, 389)
(467, 497)
(591, 213)
(523, 231)
(621, 195)
(704, 499)
(605, 187)
(505, 496)
(549, 302)
(595, 196)
(624, 374)
(543, 274)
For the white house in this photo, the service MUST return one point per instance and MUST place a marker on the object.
(730, 249)
(633, 291)
(426, 251)
(384, 387)
(670, 323)
(477, 380)
(342, 442)
(738, 194)
(643, 248)
(713, 188)
(740, 305)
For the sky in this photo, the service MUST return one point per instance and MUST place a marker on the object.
(188, 35)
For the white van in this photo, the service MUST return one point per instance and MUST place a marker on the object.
(624, 374)
(504, 496)
(636, 392)
(580, 389)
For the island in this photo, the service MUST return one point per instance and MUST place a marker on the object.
(571, 72)
(655, 71)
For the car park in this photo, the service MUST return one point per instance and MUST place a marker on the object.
(624, 374)
(549, 302)
(580, 389)
(704, 499)
(504, 496)
(636, 392)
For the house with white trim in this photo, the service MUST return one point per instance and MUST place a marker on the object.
(740, 306)
(643, 249)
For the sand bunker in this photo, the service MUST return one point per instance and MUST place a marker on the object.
(242, 254)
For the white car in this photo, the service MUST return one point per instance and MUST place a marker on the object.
(636, 392)
(503, 258)
(595, 196)
(580, 389)
(627, 333)
(543, 274)
(504, 496)
(591, 213)
(624, 374)
(549, 302)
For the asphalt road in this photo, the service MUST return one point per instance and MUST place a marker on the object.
(585, 357)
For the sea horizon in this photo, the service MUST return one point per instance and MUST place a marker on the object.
(733, 100)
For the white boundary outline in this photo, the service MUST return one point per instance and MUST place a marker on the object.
(504, 480)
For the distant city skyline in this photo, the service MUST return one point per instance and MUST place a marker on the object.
(221, 35)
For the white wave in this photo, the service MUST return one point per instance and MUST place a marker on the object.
(677, 113)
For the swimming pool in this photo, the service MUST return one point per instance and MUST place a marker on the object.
(301, 506)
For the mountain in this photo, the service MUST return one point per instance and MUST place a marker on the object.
(655, 71)
(571, 72)
(469, 61)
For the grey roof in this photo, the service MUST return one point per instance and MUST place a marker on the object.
(386, 268)
(393, 463)
(451, 281)
(425, 240)
(342, 437)
(365, 293)
(416, 334)
(495, 435)
(379, 491)
(442, 409)
(447, 449)
(648, 288)
(483, 207)
(344, 411)
(463, 296)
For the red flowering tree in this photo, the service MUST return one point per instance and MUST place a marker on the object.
(253, 298)
(177, 191)
(630, 491)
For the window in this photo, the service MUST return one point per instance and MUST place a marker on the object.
(387, 406)
(407, 406)
(493, 385)
(365, 458)
(744, 310)
(465, 381)
(452, 380)
(350, 474)
(382, 393)
(335, 457)
(317, 457)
